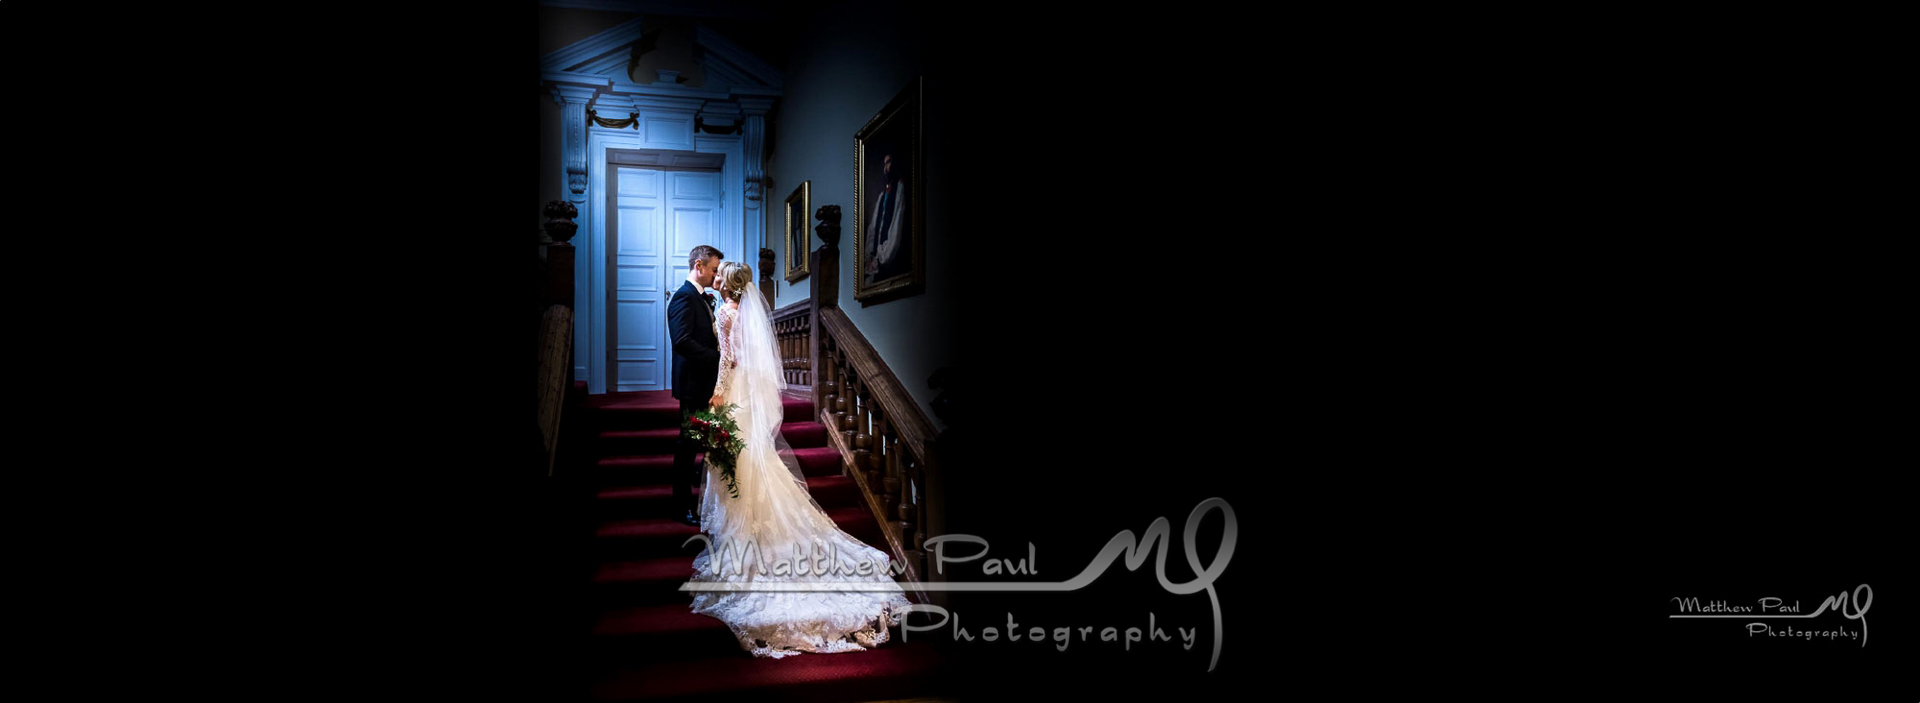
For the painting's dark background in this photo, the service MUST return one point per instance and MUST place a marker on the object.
(896, 139)
(1494, 339)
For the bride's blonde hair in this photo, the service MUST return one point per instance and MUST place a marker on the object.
(734, 277)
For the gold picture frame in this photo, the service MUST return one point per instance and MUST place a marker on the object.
(799, 236)
(888, 196)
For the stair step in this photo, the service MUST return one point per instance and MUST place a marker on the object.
(630, 442)
(796, 410)
(892, 670)
(818, 461)
(645, 642)
(804, 434)
(660, 537)
(647, 469)
(634, 410)
(663, 619)
(640, 410)
(656, 500)
(660, 440)
(639, 470)
(643, 581)
(662, 632)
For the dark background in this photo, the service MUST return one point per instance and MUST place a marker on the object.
(1496, 333)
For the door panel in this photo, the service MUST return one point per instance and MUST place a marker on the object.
(640, 356)
(661, 216)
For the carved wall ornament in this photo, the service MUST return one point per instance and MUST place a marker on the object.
(829, 227)
(633, 120)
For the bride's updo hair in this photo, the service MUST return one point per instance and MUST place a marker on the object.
(733, 278)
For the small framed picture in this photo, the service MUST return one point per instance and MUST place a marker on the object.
(799, 237)
(889, 248)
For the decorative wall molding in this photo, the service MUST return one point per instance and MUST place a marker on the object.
(752, 66)
(573, 103)
(614, 104)
(754, 132)
(700, 125)
(632, 120)
(662, 158)
(626, 87)
(726, 116)
(676, 103)
(575, 55)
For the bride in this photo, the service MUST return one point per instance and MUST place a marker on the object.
(776, 569)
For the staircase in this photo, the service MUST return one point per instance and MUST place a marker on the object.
(642, 643)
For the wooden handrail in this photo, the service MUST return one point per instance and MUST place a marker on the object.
(556, 356)
(881, 434)
(555, 295)
(902, 412)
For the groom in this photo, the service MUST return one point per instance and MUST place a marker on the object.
(696, 364)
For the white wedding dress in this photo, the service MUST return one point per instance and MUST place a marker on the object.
(836, 593)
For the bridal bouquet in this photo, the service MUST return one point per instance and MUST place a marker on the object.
(716, 431)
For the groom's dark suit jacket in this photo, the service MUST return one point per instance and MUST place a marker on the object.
(696, 353)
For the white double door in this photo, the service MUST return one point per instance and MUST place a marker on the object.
(659, 216)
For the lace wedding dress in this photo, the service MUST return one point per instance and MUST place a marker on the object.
(794, 582)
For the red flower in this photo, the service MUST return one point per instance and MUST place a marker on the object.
(723, 435)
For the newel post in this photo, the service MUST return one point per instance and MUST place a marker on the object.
(560, 228)
(824, 293)
(766, 276)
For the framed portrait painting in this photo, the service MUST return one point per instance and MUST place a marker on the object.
(799, 241)
(888, 193)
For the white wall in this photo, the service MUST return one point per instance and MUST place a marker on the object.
(855, 61)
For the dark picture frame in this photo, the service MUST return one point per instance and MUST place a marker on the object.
(799, 237)
(889, 242)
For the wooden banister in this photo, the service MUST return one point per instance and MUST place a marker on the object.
(556, 358)
(881, 434)
(878, 380)
(555, 297)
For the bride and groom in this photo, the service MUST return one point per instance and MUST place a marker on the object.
(728, 354)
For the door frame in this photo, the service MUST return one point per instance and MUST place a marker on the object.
(612, 150)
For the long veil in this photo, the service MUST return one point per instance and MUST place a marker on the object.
(781, 520)
(758, 381)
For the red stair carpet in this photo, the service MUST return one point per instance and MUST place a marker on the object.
(637, 640)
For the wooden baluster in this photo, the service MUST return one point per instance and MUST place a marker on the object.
(877, 471)
(824, 262)
(783, 340)
(856, 398)
(829, 390)
(917, 547)
(806, 352)
(903, 513)
(849, 393)
(837, 383)
(790, 351)
(862, 445)
(889, 483)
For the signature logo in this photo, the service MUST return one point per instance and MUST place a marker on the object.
(1851, 608)
(1155, 542)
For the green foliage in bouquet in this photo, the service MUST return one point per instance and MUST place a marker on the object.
(716, 431)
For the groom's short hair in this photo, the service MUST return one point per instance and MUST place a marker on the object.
(701, 252)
